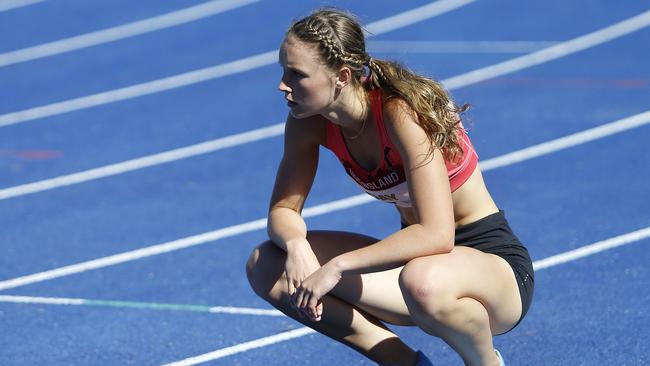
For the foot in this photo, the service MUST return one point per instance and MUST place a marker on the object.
(501, 362)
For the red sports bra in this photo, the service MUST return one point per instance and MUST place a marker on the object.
(388, 182)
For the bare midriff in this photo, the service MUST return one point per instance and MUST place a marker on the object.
(472, 201)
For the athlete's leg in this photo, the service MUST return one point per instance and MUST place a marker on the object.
(464, 297)
(340, 320)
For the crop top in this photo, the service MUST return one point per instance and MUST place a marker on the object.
(388, 182)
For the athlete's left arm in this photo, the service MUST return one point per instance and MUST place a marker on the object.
(430, 195)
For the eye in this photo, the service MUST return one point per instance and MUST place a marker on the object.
(297, 73)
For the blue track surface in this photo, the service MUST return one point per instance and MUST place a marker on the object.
(588, 311)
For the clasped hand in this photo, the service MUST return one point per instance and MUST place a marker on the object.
(307, 296)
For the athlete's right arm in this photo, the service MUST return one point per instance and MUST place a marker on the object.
(286, 227)
(302, 137)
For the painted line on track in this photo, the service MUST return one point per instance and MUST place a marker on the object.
(213, 72)
(548, 262)
(345, 203)
(139, 305)
(13, 4)
(555, 260)
(562, 49)
(458, 46)
(213, 145)
(566, 142)
(143, 162)
(148, 25)
(243, 347)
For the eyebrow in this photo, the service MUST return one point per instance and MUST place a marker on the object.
(293, 68)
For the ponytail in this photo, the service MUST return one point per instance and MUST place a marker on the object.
(436, 112)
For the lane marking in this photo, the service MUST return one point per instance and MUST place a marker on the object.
(414, 15)
(243, 347)
(139, 305)
(591, 249)
(172, 155)
(566, 142)
(143, 162)
(538, 265)
(569, 256)
(13, 4)
(148, 25)
(278, 129)
(341, 204)
(562, 49)
(209, 73)
(457, 46)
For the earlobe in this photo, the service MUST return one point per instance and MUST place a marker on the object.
(343, 77)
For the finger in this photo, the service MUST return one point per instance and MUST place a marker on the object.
(313, 303)
(290, 287)
(319, 310)
(289, 293)
(298, 296)
(304, 303)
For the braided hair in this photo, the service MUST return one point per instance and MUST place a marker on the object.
(340, 41)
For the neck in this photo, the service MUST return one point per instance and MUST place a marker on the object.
(350, 109)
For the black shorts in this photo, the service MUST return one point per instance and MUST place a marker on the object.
(493, 235)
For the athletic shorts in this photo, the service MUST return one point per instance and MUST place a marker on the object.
(493, 235)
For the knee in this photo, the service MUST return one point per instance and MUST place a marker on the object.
(264, 267)
(427, 290)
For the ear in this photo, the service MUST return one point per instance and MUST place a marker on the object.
(343, 77)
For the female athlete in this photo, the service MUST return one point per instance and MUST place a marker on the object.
(455, 269)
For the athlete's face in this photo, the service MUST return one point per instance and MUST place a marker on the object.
(308, 85)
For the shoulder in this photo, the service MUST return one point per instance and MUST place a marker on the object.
(401, 121)
(396, 109)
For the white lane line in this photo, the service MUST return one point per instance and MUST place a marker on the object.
(41, 300)
(188, 78)
(243, 347)
(168, 20)
(139, 305)
(13, 4)
(591, 249)
(538, 265)
(130, 165)
(135, 254)
(244, 311)
(457, 46)
(143, 162)
(568, 141)
(415, 15)
(176, 244)
(554, 52)
(345, 203)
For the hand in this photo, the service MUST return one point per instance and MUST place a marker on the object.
(300, 263)
(308, 295)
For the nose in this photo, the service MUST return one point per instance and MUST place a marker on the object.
(283, 87)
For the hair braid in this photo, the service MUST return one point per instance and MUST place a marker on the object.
(332, 48)
(335, 46)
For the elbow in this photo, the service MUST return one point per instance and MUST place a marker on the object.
(447, 245)
(438, 240)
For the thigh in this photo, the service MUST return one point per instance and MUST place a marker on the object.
(468, 272)
(376, 293)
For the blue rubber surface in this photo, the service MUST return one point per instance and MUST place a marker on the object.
(588, 311)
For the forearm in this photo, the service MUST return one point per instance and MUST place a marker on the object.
(286, 227)
(394, 251)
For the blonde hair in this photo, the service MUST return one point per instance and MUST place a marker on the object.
(340, 41)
